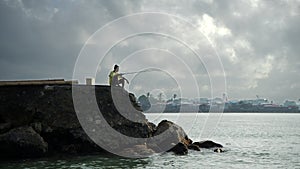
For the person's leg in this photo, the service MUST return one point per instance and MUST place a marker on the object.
(115, 81)
(122, 82)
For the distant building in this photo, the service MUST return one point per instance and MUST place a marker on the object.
(202, 100)
(258, 101)
(290, 103)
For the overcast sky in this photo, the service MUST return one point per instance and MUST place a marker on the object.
(257, 41)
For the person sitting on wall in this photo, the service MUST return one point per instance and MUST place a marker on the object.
(116, 79)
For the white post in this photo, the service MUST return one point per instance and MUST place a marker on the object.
(90, 81)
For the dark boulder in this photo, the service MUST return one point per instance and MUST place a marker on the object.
(37, 127)
(174, 130)
(22, 142)
(4, 127)
(194, 147)
(187, 140)
(208, 144)
(170, 137)
(179, 149)
(69, 141)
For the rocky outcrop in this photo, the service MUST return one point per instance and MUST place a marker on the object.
(40, 120)
(179, 149)
(194, 147)
(207, 144)
(45, 114)
(22, 142)
(174, 138)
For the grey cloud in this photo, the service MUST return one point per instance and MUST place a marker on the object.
(46, 46)
(42, 39)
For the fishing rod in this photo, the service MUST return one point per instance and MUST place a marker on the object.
(147, 70)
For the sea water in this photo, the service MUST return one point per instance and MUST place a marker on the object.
(251, 140)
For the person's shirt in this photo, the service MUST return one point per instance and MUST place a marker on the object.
(112, 74)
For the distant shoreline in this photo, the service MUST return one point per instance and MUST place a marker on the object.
(222, 112)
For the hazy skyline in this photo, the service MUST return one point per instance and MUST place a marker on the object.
(257, 42)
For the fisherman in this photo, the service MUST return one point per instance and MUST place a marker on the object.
(115, 78)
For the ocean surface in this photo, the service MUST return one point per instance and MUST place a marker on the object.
(253, 140)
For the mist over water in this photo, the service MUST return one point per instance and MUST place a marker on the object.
(251, 141)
